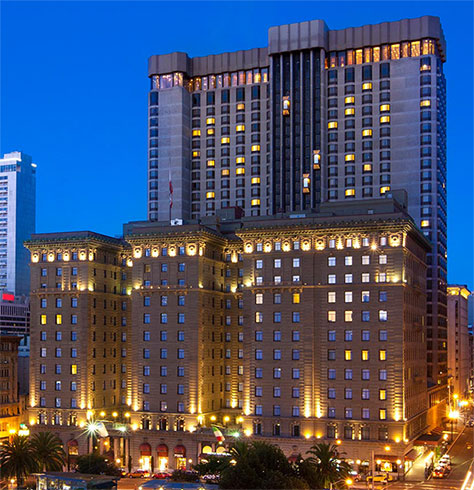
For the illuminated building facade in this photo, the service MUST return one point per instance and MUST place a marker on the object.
(459, 345)
(288, 329)
(12, 404)
(317, 116)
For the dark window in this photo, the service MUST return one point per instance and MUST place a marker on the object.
(367, 72)
(240, 94)
(349, 75)
(154, 98)
(332, 77)
(211, 98)
(196, 100)
(256, 92)
(384, 70)
(225, 97)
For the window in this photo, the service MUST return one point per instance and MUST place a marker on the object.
(383, 315)
(382, 355)
(348, 355)
(365, 374)
(382, 394)
(331, 355)
(331, 278)
(348, 316)
(348, 260)
(331, 393)
(382, 375)
(296, 298)
(365, 296)
(365, 355)
(365, 335)
(331, 297)
(347, 297)
(331, 336)
(331, 316)
(331, 374)
(348, 335)
(348, 393)
(348, 278)
(348, 374)
(331, 261)
(365, 394)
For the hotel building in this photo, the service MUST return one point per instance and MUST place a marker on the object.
(317, 116)
(289, 329)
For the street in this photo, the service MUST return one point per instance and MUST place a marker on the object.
(461, 457)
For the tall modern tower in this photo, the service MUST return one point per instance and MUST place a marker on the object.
(17, 220)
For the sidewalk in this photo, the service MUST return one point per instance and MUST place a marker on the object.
(417, 471)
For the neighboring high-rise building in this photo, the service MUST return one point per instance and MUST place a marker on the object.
(317, 116)
(459, 345)
(292, 329)
(17, 220)
(14, 315)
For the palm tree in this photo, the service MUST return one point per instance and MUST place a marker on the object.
(328, 465)
(17, 459)
(48, 451)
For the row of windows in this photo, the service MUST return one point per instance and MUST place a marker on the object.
(364, 355)
(365, 316)
(58, 302)
(375, 54)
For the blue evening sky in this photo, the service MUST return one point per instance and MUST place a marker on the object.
(74, 95)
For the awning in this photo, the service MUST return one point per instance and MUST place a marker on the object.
(145, 449)
(431, 439)
(387, 457)
(180, 451)
(411, 455)
(162, 451)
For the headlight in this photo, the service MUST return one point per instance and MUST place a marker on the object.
(140, 488)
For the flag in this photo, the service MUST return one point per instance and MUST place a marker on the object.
(218, 434)
(171, 190)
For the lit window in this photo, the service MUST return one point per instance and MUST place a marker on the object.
(240, 160)
(366, 132)
(240, 107)
(348, 316)
(43, 319)
(385, 108)
(347, 296)
(254, 202)
(425, 103)
(384, 189)
(367, 167)
(59, 319)
(196, 153)
(350, 111)
(296, 298)
(382, 414)
(332, 125)
(240, 171)
(349, 158)
(349, 100)
(365, 355)
(196, 132)
(210, 195)
(73, 368)
(384, 119)
(331, 297)
(425, 223)
(348, 355)
(331, 316)
(350, 192)
(258, 317)
(240, 128)
(259, 299)
(255, 148)
(367, 86)
(211, 163)
(210, 131)
(225, 172)
(382, 355)
(210, 120)
(382, 394)
(255, 180)
(383, 315)
(382, 259)
(225, 140)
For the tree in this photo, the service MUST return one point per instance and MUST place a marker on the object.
(214, 465)
(48, 451)
(96, 464)
(17, 459)
(259, 465)
(329, 468)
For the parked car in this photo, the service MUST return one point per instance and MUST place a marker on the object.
(378, 479)
(439, 472)
(161, 475)
(138, 474)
